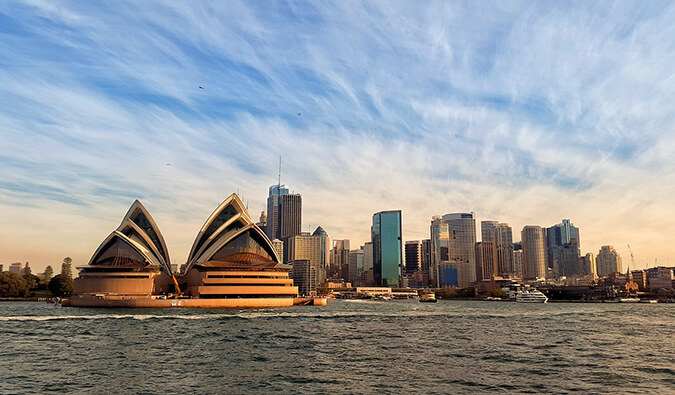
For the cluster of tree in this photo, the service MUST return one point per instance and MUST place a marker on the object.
(449, 293)
(16, 285)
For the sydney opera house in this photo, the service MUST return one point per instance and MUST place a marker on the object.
(232, 263)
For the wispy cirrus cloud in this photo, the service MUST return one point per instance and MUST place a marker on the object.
(525, 113)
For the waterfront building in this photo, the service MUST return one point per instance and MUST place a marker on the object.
(339, 259)
(314, 247)
(426, 256)
(502, 235)
(387, 254)
(440, 238)
(486, 260)
(231, 264)
(659, 278)
(534, 252)
(608, 261)
(562, 241)
(462, 241)
(284, 214)
(413, 257)
(304, 276)
(640, 278)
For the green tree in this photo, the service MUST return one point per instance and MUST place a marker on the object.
(32, 281)
(12, 285)
(61, 285)
(66, 268)
(47, 275)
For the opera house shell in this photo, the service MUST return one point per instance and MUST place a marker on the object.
(232, 263)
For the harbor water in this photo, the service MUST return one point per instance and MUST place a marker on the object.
(345, 347)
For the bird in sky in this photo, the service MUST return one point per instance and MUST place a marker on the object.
(201, 87)
(299, 114)
(168, 164)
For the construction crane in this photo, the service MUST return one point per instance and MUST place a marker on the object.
(632, 258)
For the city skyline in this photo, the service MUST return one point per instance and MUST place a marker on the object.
(526, 114)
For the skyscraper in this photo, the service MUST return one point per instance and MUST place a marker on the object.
(608, 261)
(387, 254)
(413, 256)
(534, 252)
(339, 259)
(588, 264)
(314, 248)
(440, 238)
(462, 243)
(486, 260)
(284, 214)
(502, 235)
(562, 243)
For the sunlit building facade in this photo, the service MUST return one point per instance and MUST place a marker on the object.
(533, 239)
(462, 241)
(608, 261)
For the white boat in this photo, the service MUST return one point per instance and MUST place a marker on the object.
(628, 300)
(532, 296)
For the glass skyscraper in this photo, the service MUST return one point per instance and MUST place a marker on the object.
(387, 251)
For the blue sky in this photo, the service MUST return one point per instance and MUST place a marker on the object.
(523, 112)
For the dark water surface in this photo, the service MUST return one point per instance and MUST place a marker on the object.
(345, 347)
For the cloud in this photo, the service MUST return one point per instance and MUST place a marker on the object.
(524, 113)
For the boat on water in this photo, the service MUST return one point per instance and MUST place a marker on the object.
(428, 297)
(532, 296)
(628, 300)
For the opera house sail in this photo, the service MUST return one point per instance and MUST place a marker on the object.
(232, 263)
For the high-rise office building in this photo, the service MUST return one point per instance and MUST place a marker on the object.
(355, 266)
(387, 254)
(413, 257)
(279, 247)
(562, 241)
(440, 238)
(534, 252)
(608, 261)
(588, 265)
(462, 243)
(486, 260)
(16, 268)
(284, 214)
(304, 276)
(517, 259)
(502, 235)
(339, 259)
(314, 247)
(368, 256)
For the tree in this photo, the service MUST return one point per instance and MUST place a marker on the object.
(499, 293)
(66, 269)
(47, 275)
(61, 285)
(12, 285)
(32, 281)
(27, 270)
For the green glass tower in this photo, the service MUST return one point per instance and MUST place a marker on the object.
(387, 252)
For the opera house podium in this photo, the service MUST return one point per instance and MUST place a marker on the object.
(232, 263)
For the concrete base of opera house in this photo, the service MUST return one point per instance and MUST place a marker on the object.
(154, 302)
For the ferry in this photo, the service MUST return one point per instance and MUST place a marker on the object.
(532, 296)
(428, 297)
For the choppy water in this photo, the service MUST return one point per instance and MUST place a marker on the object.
(345, 347)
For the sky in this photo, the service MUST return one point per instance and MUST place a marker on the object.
(523, 112)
